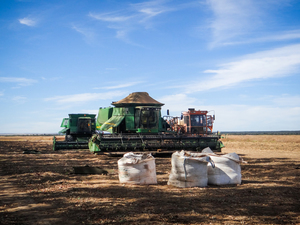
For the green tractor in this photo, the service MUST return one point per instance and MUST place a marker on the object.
(78, 129)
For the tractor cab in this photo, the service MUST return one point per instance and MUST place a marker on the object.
(146, 119)
(78, 126)
(197, 122)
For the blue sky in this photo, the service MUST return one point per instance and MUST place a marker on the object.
(239, 59)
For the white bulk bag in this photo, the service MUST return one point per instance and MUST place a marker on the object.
(188, 169)
(227, 168)
(137, 169)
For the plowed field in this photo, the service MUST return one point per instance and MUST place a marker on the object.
(42, 188)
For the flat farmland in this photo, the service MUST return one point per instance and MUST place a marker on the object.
(42, 188)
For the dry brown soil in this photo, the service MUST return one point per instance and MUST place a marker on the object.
(43, 188)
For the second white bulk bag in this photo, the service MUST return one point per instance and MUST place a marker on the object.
(227, 168)
(137, 169)
(188, 169)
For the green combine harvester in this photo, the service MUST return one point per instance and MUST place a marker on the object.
(78, 129)
(135, 124)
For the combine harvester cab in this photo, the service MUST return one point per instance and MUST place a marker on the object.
(135, 124)
(78, 129)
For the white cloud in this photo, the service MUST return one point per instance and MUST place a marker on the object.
(87, 33)
(283, 61)
(134, 13)
(110, 17)
(117, 86)
(111, 69)
(232, 18)
(151, 12)
(233, 22)
(122, 85)
(28, 21)
(177, 103)
(287, 35)
(19, 99)
(277, 113)
(20, 81)
(132, 18)
(256, 118)
(85, 97)
(122, 34)
(287, 100)
(30, 127)
(281, 36)
(151, 9)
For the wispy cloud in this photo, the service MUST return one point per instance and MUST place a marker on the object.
(28, 21)
(122, 85)
(110, 17)
(19, 99)
(132, 18)
(31, 127)
(178, 102)
(111, 68)
(232, 18)
(86, 32)
(286, 35)
(280, 36)
(233, 22)
(283, 61)
(85, 97)
(246, 118)
(151, 9)
(287, 100)
(150, 12)
(20, 81)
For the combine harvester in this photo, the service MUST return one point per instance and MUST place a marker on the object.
(135, 124)
(78, 129)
